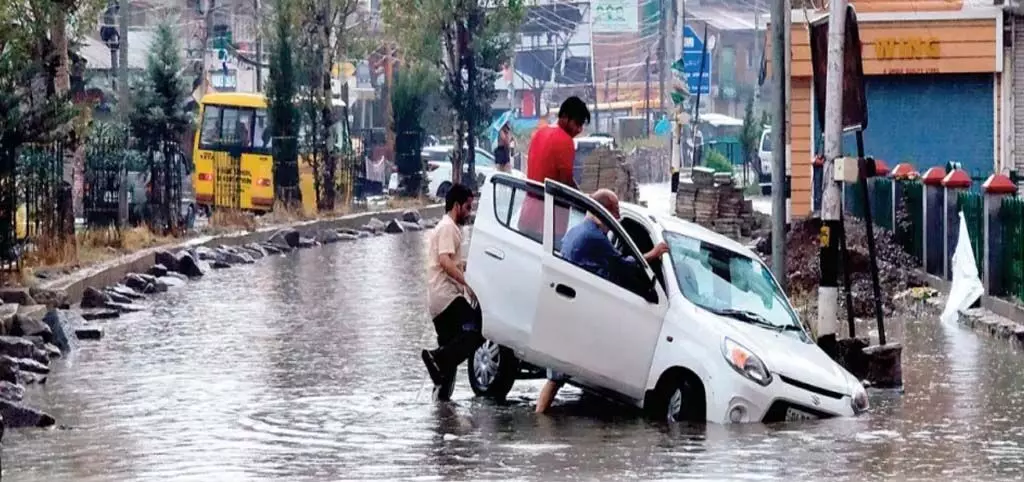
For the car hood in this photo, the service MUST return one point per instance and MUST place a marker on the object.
(786, 355)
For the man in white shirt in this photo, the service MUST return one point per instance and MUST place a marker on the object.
(451, 302)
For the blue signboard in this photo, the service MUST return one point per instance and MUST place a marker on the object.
(693, 54)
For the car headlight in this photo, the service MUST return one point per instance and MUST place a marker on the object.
(859, 400)
(745, 362)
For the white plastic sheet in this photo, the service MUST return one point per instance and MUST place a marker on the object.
(966, 287)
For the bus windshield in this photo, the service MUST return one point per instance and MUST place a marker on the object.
(234, 126)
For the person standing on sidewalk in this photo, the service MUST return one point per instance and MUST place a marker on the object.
(451, 302)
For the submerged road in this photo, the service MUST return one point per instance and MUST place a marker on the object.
(305, 367)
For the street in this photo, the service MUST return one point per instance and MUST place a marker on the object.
(305, 367)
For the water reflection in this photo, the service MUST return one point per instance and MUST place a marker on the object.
(305, 367)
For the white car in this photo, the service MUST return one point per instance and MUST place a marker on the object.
(439, 169)
(705, 333)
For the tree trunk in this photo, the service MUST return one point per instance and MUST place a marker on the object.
(471, 120)
(62, 87)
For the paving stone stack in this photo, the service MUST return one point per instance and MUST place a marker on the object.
(713, 201)
(607, 168)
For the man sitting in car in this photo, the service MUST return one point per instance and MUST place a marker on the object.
(587, 245)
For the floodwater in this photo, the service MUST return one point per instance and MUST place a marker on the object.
(305, 367)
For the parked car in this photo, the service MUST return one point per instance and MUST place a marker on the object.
(439, 170)
(705, 333)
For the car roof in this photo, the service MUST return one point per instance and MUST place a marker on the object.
(687, 228)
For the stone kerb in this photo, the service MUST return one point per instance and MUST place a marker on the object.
(996, 188)
(113, 271)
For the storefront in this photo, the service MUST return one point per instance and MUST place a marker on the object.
(933, 89)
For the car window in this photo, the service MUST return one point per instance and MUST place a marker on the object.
(571, 225)
(508, 207)
(717, 279)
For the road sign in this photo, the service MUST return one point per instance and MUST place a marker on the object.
(690, 64)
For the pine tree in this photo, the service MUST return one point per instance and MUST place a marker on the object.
(282, 114)
(159, 121)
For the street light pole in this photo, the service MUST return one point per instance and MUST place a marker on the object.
(778, 86)
(828, 290)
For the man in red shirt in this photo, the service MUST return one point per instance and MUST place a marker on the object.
(551, 155)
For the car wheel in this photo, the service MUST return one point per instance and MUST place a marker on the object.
(674, 400)
(442, 190)
(492, 370)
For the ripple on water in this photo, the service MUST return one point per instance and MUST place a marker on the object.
(305, 367)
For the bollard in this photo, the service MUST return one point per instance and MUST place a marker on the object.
(956, 181)
(933, 235)
(884, 365)
(996, 187)
(852, 357)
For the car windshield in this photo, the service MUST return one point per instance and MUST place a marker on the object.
(729, 284)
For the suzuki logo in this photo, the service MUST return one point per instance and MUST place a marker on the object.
(816, 400)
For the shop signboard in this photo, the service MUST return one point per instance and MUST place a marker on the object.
(855, 106)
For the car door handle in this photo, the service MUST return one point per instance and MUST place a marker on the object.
(565, 291)
(495, 253)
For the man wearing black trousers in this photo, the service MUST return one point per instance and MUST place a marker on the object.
(452, 303)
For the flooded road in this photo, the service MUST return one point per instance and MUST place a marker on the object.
(305, 367)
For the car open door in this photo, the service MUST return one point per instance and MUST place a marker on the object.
(588, 326)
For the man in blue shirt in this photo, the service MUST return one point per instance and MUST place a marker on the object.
(587, 245)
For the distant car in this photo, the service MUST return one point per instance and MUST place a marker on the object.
(439, 170)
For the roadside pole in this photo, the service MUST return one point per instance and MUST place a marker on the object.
(831, 226)
(123, 107)
(779, 47)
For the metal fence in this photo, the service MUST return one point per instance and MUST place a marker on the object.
(972, 204)
(1011, 226)
(910, 217)
(127, 181)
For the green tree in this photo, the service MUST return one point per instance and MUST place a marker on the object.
(750, 136)
(476, 37)
(159, 120)
(328, 33)
(409, 101)
(282, 114)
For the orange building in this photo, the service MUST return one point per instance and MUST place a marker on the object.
(933, 79)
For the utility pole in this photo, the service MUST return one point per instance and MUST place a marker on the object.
(831, 227)
(123, 104)
(778, 85)
(757, 47)
(207, 26)
(647, 94)
(663, 65)
(259, 45)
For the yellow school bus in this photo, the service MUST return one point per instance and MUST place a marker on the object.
(234, 166)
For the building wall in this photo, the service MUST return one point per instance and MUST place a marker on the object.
(915, 110)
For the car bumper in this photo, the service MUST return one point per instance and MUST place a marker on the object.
(780, 401)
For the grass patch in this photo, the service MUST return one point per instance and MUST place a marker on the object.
(228, 220)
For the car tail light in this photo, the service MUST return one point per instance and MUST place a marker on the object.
(263, 182)
(205, 176)
(432, 166)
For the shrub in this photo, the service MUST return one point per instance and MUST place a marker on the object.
(717, 161)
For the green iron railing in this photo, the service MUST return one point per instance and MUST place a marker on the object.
(910, 218)
(881, 202)
(972, 204)
(1011, 225)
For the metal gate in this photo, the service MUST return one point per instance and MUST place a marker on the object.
(105, 165)
(227, 179)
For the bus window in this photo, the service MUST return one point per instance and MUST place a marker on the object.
(229, 128)
(260, 134)
(211, 126)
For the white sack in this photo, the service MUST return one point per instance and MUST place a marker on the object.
(966, 287)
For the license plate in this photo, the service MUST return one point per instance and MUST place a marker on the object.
(794, 415)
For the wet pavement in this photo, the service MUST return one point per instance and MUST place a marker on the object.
(305, 367)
